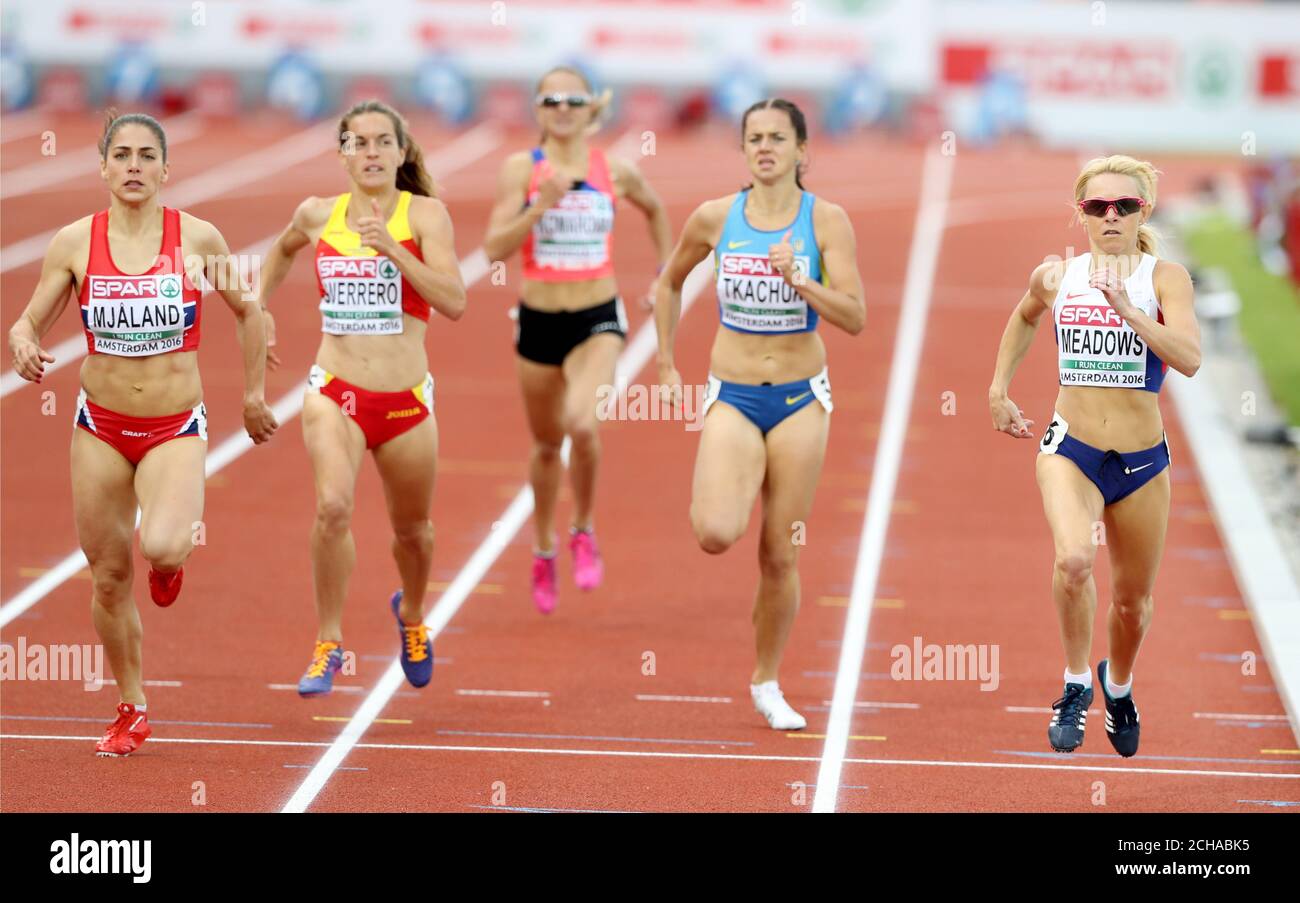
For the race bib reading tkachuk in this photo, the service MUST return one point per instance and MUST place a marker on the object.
(1097, 348)
(574, 234)
(753, 296)
(363, 295)
(136, 316)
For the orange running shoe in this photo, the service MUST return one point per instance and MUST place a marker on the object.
(164, 588)
(125, 735)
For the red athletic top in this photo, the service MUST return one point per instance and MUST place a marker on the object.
(574, 240)
(156, 312)
(362, 292)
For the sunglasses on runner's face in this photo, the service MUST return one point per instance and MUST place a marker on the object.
(1100, 206)
(554, 100)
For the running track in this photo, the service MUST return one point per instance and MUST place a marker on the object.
(557, 713)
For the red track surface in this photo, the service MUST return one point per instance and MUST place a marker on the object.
(967, 559)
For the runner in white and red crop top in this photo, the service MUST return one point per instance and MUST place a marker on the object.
(1122, 317)
(140, 389)
(555, 205)
(385, 262)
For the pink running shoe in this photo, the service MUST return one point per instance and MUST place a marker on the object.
(544, 593)
(587, 567)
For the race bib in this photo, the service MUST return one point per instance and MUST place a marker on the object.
(363, 295)
(573, 234)
(1097, 348)
(136, 316)
(753, 296)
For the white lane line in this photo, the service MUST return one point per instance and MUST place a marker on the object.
(85, 160)
(520, 694)
(254, 167)
(1039, 710)
(637, 353)
(879, 705)
(472, 269)
(16, 126)
(664, 754)
(648, 697)
(927, 235)
(337, 688)
(1238, 717)
(1271, 589)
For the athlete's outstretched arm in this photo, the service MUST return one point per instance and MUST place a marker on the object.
(696, 241)
(437, 277)
(1178, 339)
(223, 273)
(1016, 339)
(840, 302)
(511, 221)
(48, 301)
(278, 261)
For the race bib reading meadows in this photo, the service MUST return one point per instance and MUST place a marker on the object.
(1097, 348)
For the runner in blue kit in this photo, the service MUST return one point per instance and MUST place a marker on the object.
(785, 260)
(1122, 318)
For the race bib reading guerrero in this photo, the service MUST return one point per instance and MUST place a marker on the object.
(1099, 349)
(363, 295)
(135, 316)
(753, 296)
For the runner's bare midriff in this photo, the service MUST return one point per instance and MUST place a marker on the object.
(378, 363)
(1126, 420)
(753, 359)
(154, 386)
(553, 297)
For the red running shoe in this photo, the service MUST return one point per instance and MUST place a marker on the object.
(125, 735)
(164, 588)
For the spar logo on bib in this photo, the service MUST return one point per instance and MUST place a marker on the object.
(355, 268)
(169, 286)
(363, 295)
(1090, 315)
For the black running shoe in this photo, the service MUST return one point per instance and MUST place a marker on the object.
(1065, 733)
(1122, 726)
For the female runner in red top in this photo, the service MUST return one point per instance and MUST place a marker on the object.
(140, 389)
(384, 262)
(555, 203)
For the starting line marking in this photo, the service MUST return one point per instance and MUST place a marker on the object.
(522, 694)
(1239, 717)
(377, 720)
(726, 757)
(649, 697)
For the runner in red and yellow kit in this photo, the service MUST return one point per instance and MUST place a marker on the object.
(384, 262)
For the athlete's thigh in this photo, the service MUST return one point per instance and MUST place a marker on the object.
(796, 449)
(169, 482)
(1072, 503)
(103, 501)
(543, 388)
(335, 446)
(407, 466)
(587, 368)
(729, 465)
(1135, 536)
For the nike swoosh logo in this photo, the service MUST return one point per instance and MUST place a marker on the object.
(1080, 295)
(797, 398)
(1136, 469)
(732, 245)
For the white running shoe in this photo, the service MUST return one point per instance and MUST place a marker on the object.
(771, 704)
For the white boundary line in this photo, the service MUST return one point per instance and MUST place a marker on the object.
(212, 183)
(473, 268)
(635, 356)
(84, 160)
(927, 235)
(663, 754)
(1257, 559)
